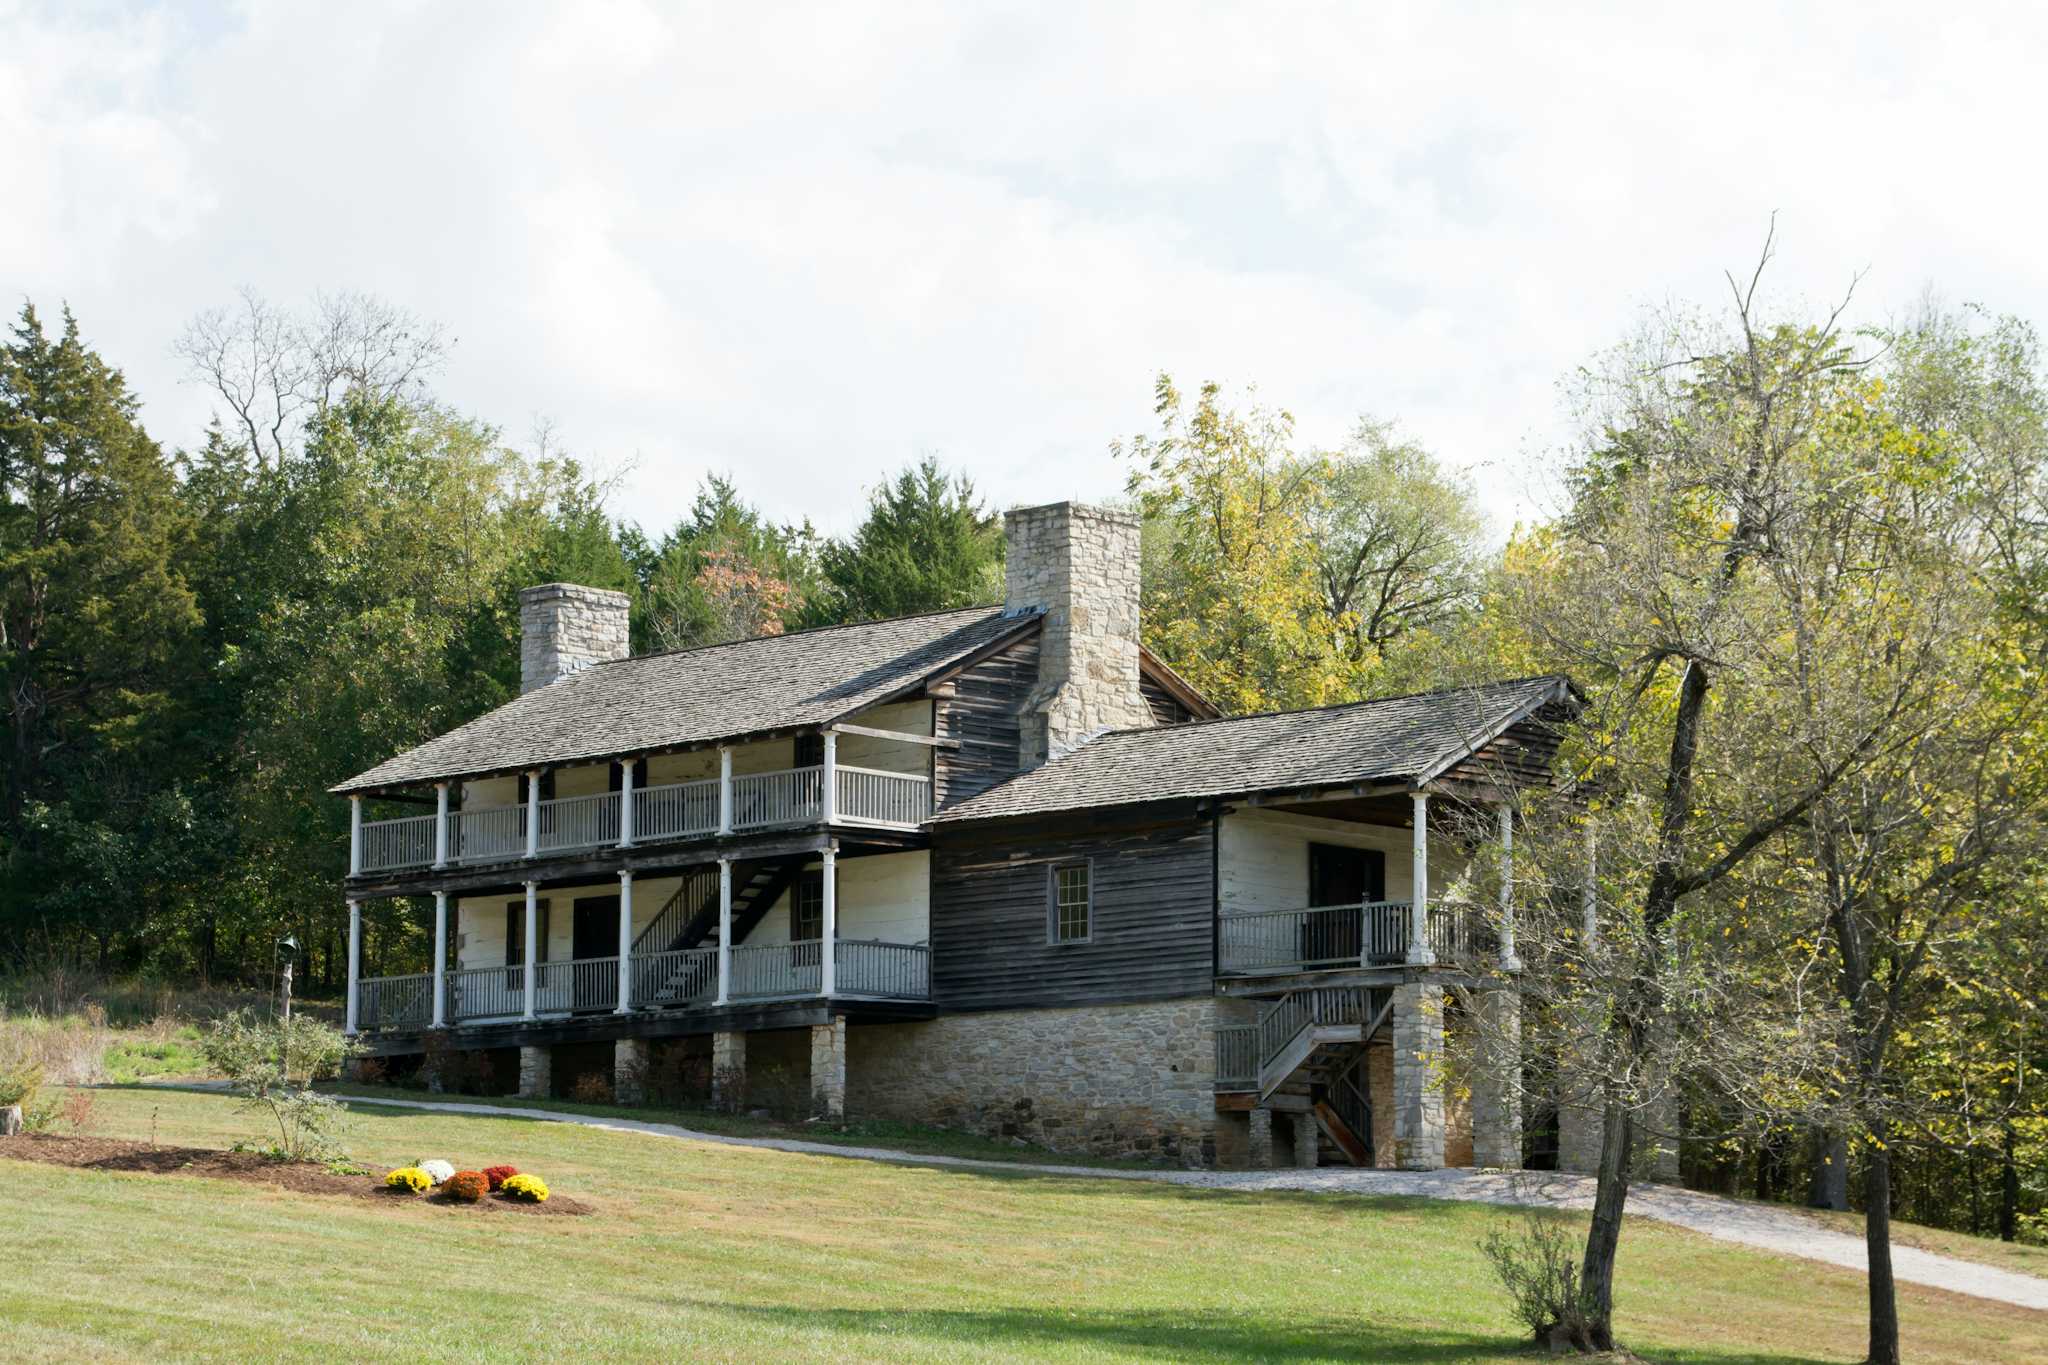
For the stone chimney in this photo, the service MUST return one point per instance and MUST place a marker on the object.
(1079, 565)
(564, 627)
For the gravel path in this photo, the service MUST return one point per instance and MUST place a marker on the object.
(1729, 1220)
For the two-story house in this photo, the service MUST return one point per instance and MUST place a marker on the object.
(997, 868)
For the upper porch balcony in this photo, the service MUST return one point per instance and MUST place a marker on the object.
(826, 793)
(1333, 937)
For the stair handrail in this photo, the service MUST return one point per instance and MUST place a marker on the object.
(672, 919)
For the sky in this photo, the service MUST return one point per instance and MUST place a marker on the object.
(806, 245)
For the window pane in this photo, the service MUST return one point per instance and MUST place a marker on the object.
(1070, 903)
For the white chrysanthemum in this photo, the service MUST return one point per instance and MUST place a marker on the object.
(439, 1170)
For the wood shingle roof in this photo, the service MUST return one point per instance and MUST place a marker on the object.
(693, 697)
(1399, 739)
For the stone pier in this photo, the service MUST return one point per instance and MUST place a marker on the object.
(1419, 1077)
(728, 1072)
(629, 1071)
(1496, 1080)
(1261, 1145)
(828, 1069)
(536, 1073)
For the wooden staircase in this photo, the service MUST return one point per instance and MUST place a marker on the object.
(1313, 1050)
(689, 919)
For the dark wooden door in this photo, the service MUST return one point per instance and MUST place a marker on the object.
(594, 932)
(1340, 879)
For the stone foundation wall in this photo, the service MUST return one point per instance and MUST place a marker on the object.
(1110, 1080)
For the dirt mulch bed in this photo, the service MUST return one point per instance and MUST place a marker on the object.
(300, 1177)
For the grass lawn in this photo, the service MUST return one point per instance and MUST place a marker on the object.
(709, 1252)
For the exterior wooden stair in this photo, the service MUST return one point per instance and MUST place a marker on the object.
(690, 918)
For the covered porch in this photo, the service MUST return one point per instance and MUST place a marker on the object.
(737, 932)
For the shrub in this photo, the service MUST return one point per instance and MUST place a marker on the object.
(498, 1175)
(466, 1187)
(439, 1171)
(19, 1086)
(272, 1066)
(1540, 1270)
(409, 1178)
(78, 1109)
(530, 1188)
(591, 1089)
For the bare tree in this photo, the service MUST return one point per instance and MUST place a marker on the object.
(277, 370)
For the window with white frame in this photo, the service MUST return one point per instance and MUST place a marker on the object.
(1071, 893)
(807, 908)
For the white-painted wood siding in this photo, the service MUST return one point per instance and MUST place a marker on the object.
(1263, 858)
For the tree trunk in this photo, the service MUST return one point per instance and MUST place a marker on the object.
(2008, 1192)
(10, 1121)
(1596, 1276)
(1877, 1240)
(1829, 1188)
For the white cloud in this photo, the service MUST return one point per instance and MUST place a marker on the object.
(807, 245)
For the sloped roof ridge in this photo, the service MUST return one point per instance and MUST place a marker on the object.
(1488, 686)
(807, 630)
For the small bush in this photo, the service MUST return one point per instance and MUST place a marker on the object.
(466, 1187)
(272, 1066)
(498, 1175)
(77, 1109)
(19, 1086)
(530, 1188)
(409, 1178)
(438, 1171)
(591, 1089)
(1540, 1270)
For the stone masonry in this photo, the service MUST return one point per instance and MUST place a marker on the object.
(1419, 1076)
(1261, 1138)
(536, 1073)
(564, 627)
(629, 1070)
(1078, 564)
(828, 1069)
(1105, 1080)
(1307, 1141)
(728, 1072)
(1379, 1076)
(1496, 1089)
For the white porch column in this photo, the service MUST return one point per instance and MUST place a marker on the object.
(1508, 961)
(531, 976)
(625, 942)
(440, 959)
(355, 960)
(830, 777)
(355, 836)
(725, 791)
(626, 802)
(828, 936)
(440, 824)
(1589, 894)
(724, 930)
(533, 813)
(1419, 953)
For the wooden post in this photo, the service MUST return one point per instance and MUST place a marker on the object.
(355, 961)
(725, 790)
(830, 777)
(440, 825)
(625, 806)
(724, 930)
(355, 836)
(625, 942)
(532, 974)
(440, 959)
(1508, 961)
(533, 814)
(828, 937)
(1419, 953)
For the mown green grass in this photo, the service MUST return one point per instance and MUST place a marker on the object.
(707, 1252)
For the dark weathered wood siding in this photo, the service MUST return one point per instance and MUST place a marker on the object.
(1154, 905)
(980, 707)
(1166, 708)
(1522, 754)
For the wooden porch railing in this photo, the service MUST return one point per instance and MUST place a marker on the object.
(581, 986)
(680, 810)
(684, 976)
(1374, 934)
(486, 993)
(395, 1002)
(888, 971)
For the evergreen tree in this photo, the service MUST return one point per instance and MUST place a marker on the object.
(927, 544)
